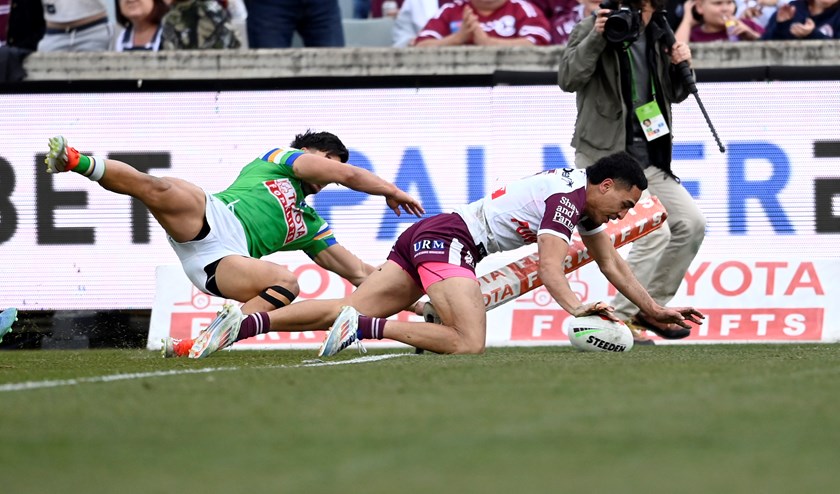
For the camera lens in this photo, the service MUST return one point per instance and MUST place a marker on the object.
(620, 26)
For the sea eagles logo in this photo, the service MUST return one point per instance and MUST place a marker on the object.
(505, 26)
(567, 176)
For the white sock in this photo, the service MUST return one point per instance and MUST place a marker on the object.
(97, 168)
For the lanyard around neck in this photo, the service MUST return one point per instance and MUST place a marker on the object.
(633, 76)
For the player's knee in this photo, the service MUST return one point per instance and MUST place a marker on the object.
(281, 295)
(156, 189)
(287, 280)
(469, 348)
(468, 342)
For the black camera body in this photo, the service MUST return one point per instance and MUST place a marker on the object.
(623, 22)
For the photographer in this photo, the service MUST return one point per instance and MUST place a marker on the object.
(624, 73)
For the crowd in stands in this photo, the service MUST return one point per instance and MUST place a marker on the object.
(130, 25)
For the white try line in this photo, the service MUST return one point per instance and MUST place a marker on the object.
(143, 375)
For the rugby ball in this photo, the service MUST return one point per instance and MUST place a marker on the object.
(599, 334)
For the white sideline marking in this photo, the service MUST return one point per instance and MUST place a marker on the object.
(142, 375)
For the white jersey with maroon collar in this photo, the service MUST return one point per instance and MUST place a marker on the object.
(551, 202)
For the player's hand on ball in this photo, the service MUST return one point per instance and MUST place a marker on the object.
(599, 308)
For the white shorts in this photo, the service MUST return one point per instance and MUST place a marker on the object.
(226, 238)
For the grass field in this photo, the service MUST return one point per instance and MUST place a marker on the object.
(669, 419)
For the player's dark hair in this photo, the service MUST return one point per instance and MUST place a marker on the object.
(322, 141)
(621, 167)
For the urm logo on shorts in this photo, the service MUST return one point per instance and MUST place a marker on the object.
(429, 245)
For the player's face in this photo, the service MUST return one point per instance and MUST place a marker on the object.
(610, 201)
(307, 187)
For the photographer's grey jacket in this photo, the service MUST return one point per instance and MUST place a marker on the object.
(590, 68)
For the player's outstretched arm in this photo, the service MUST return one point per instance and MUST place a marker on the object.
(553, 250)
(322, 171)
(618, 272)
(344, 263)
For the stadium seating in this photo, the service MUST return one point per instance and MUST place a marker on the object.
(346, 7)
(368, 32)
(361, 32)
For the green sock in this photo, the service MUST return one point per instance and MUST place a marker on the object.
(83, 166)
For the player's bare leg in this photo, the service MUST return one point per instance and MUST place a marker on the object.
(385, 292)
(462, 314)
(463, 328)
(245, 279)
(179, 207)
(262, 286)
(177, 204)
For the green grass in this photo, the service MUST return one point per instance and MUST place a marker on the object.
(669, 419)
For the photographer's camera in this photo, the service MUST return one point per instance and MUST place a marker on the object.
(623, 22)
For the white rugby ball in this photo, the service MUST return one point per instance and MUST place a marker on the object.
(599, 334)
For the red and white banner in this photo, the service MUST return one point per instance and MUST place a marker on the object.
(744, 301)
(759, 301)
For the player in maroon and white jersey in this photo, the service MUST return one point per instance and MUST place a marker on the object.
(437, 256)
(486, 22)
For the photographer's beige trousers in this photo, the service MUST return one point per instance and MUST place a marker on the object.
(660, 260)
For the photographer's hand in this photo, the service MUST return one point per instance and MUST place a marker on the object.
(680, 52)
(601, 20)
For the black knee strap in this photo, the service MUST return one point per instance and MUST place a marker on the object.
(274, 301)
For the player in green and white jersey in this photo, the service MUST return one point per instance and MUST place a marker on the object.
(221, 237)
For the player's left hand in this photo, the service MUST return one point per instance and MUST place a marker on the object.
(680, 316)
(409, 204)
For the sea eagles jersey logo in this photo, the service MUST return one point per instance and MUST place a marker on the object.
(505, 26)
(283, 190)
(567, 176)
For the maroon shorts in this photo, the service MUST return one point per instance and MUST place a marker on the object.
(441, 238)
